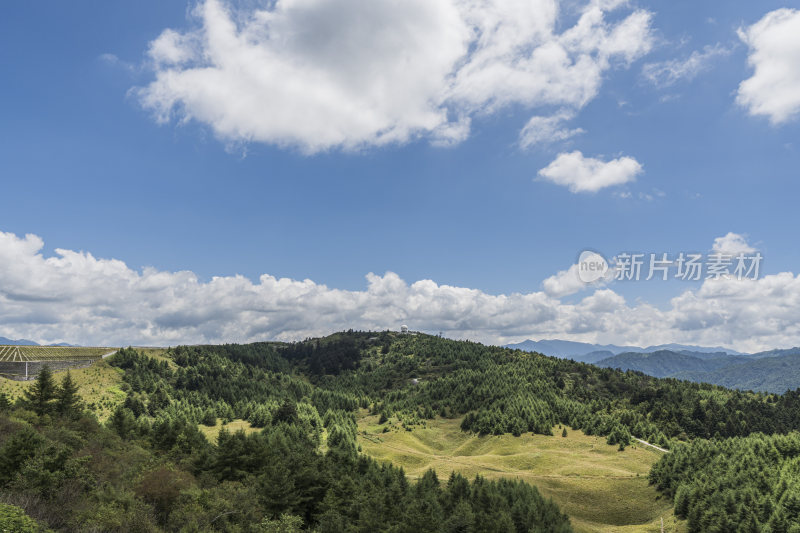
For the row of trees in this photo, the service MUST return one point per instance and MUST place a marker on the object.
(46, 397)
(743, 484)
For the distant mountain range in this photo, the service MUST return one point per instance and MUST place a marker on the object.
(769, 371)
(772, 371)
(592, 353)
(25, 342)
(19, 342)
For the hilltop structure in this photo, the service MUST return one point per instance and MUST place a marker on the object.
(23, 363)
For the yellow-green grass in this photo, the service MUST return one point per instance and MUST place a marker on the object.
(598, 486)
(98, 385)
(212, 432)
(159, 354)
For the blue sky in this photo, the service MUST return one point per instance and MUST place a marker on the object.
(86, 166)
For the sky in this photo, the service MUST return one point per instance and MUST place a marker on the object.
(231, 171)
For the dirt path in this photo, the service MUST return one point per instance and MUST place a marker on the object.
(651, 445)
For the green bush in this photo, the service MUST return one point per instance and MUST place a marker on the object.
(14, 520)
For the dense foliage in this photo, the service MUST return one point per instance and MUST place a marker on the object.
(743, 484)
(14, 520)
(773, 371)
(509, 391)
(775, 374)
(151, 469)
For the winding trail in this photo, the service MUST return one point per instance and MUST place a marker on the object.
(651, 445)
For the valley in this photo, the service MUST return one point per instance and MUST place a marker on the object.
(598, 486)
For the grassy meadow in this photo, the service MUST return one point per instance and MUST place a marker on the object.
(211, 432)
(98, 384)
(599, 487)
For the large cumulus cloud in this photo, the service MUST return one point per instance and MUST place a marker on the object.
(344, 74)
(77, 297)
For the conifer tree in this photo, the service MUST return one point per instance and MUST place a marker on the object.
(42, 393)
(67, 399)
(5, 403)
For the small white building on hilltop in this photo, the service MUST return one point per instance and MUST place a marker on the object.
(403, 329)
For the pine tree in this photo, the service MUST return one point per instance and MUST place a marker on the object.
(285, 524)
(122, 421)
(564, 433)
(5, 403)
(209, 417)
(67, 399)
(287, 413)
(43, 391)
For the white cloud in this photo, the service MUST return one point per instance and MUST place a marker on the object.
(549, 129)
(666, 73)
(774, 88)
(76, 297)
(344, 74)
(732, 244)
(587, 174)
(564, 283)
(573, 280)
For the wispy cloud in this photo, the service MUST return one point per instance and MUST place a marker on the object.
(670, 72)
(541, 130)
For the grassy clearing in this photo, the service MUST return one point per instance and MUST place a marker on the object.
(98, 385)
(599, 487)
(212, 432)
(160, 354)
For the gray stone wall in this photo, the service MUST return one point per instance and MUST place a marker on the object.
(16, 370)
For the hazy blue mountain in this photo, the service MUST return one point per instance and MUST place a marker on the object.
(19, 342)
(568, 349)
(776, 353)
(754, 372)
(770, 371)
(768, 374)
(26, 342)
(667, 363)
(591, 353)
(593, 357)
(689, 348)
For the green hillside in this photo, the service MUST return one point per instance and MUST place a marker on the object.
(598, 486)
(775, 371)
(324, 435)
(773, 374)
(666, 363)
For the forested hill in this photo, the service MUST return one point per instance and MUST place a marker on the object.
(510, 391)
(666, 363)
(150, 469)
(769, 371)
